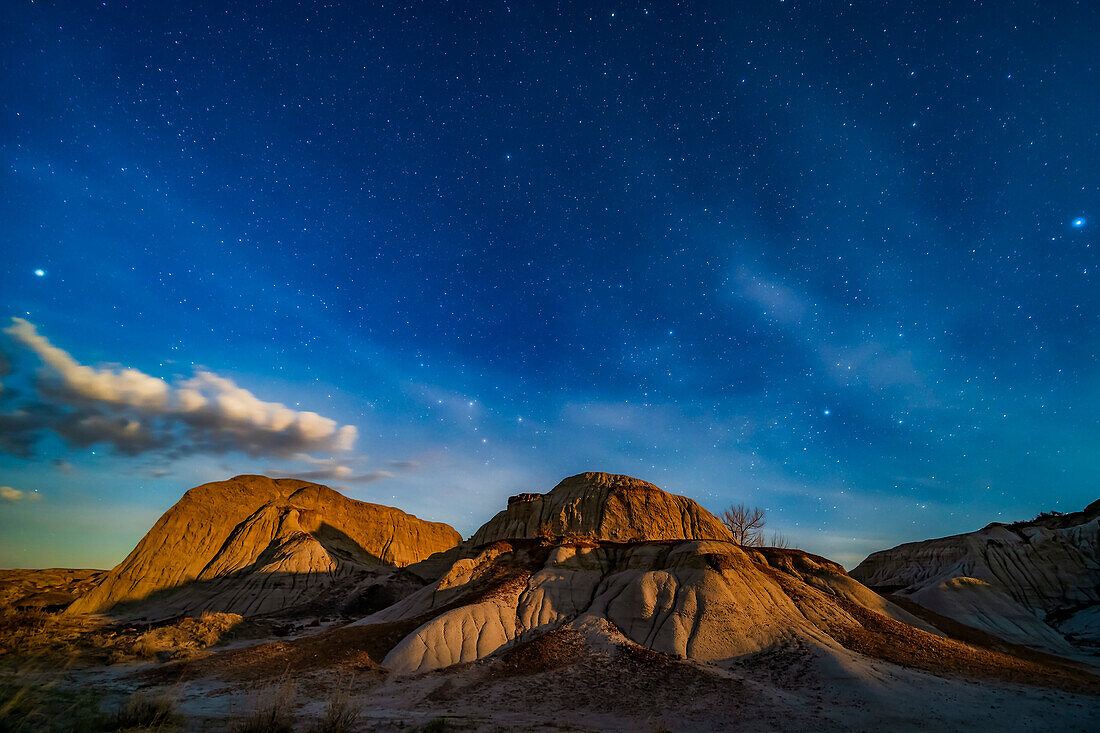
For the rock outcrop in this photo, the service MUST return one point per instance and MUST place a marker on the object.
(1035, 583)
(254, 545)
(606, 551)
(707, 600)
(606, 507)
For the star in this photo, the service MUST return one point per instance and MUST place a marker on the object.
(1078, 222)
(40, 272)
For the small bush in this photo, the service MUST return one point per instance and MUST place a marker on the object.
(272, 711)
(22, 619)
(147, 711)
(48, 708)
(185, 638)
(438, 725)
(340, 716)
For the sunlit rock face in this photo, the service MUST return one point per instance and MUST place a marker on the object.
(254, 544)
(1034, 583)
(603, 506)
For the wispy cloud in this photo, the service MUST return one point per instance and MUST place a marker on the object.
(331, 469)
(847, 354)
(777, 300)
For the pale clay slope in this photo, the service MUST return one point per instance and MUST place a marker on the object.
(255, 544)
(685, 589)
(1037, 583)
(611, 507)
(604, 691)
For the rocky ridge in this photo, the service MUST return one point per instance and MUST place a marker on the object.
(1035, 583)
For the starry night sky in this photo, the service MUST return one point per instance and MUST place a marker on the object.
(836, 260)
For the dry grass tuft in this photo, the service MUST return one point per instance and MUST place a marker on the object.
(272, 711)
(146, 710)
(47, 707)
(340, 716)
(185, 638)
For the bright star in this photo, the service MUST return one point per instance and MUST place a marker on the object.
(40, 273)
(1078, 222)
(827, 412)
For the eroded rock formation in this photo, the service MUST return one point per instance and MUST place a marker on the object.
(706, 600)
(607, 551)
(1035, 583)
(253, 544)
(603, 506)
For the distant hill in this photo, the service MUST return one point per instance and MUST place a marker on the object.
(1035, 583)
(254, 544)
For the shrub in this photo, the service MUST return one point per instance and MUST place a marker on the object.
(340, 715)
(146, 710)
(272, 711)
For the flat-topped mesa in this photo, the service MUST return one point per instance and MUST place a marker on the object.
(253, 544)
(604, 506)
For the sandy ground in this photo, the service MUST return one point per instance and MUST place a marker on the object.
(565, 681)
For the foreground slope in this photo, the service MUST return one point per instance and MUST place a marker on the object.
(254, 544)
(1035, 583)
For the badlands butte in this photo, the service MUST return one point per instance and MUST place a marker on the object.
(603, 604)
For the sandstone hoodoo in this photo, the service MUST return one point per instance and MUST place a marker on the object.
(1035, 583)
(606, 507)
(254, 544)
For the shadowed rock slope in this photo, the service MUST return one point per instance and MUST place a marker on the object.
(1035, 583)
(254, 544)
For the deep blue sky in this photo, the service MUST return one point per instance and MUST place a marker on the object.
(839, 261)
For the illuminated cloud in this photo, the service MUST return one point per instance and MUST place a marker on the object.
(129, 387)
(224, 416)
(136, 412)
(9, 495)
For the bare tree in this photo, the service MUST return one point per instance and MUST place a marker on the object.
(781, 541)
(745, 524)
